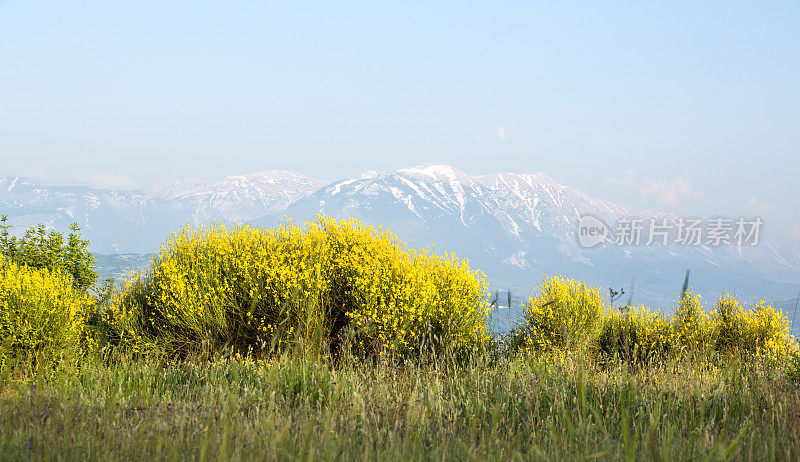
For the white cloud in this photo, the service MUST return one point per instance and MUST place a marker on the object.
(671, 193)
(628, 179)
(501, 133)
(757, 208)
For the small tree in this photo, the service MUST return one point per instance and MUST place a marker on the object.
(39, 249)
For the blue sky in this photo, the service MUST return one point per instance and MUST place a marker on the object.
(692, 107)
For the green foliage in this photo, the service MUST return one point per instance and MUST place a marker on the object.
(39, 249)
(102, 323)
(318, 285)
(41, 316)
(793, 368)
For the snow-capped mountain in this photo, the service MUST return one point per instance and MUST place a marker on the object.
(516, 228)
(519, 227)
(506, 212)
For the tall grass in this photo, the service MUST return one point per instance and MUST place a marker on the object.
(296, 407)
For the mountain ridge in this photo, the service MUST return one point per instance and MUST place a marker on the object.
(515, 226)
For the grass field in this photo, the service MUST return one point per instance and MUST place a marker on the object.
(228, 408)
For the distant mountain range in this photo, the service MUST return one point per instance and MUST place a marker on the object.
(135, 221)
(515, 227)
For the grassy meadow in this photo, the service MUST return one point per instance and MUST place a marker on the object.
(333, 341)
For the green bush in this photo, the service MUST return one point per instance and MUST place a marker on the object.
(39, 249)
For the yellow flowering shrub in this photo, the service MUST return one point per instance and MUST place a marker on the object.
(41, 315)
(564, 313)
(637, 334)
(759, 329)
(694, 326)
(319, 284)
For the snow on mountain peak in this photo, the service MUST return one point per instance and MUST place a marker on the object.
(176, 188)
(257, 181)
(236, 197)
(13, 183)
(273, 176)
(433, 171)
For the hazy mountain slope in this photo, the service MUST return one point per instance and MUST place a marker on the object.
(139, 221)
(236, 198)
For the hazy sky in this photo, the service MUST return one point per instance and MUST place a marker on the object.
(688, 107)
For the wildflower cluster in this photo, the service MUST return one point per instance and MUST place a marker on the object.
(41, 315)
(318, 285)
